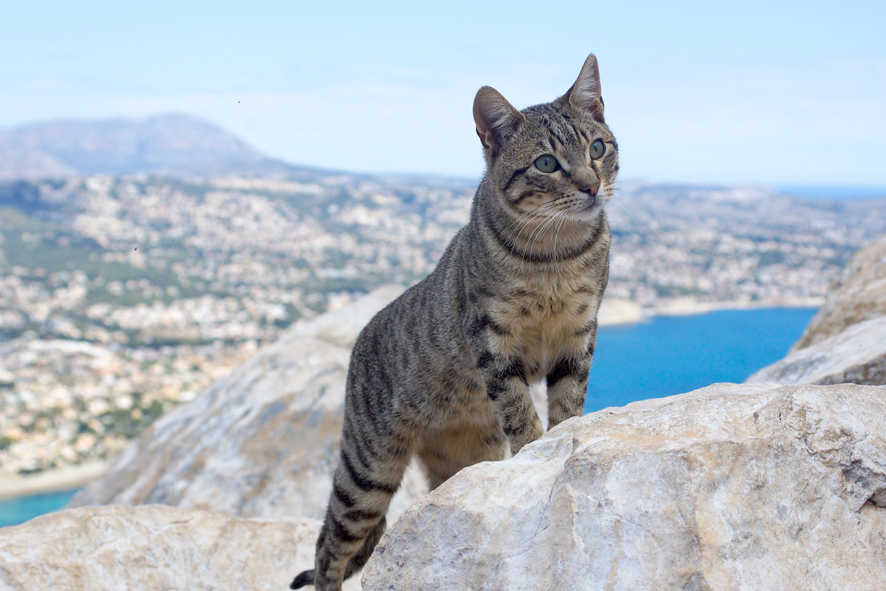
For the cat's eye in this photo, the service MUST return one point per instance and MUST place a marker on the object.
(598, 148)
(547, 163)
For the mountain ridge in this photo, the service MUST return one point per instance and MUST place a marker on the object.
(169, 144)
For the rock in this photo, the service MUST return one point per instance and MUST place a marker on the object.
(262, 442)
(342, 326)
(154, 547)
(753, 486)
(859, 295)
(856, 355)
(846, 340)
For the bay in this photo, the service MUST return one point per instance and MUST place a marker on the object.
(675, 354)
(20, 509)
(664, 356)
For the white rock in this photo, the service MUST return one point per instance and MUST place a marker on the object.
(753, 486)
(154, 547)
(262, 442)
(342, 326)
(846, 340)
(856, 355)
(859, 295)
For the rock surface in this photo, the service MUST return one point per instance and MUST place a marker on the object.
(262, 442)
(154, 547)
(859, 295)
(753, 486)
(846, 340)
(856, 355)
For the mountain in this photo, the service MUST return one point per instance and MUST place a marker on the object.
(170, 145)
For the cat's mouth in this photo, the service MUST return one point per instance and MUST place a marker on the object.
(590, 207)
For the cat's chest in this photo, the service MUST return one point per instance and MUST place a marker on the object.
(540, 321)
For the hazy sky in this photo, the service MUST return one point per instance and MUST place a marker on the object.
(769, 92)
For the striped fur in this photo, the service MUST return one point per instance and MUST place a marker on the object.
(443, 372)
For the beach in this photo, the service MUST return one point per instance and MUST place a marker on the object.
(615, 311)
(50, 480)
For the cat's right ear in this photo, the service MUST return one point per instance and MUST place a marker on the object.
(496, 119)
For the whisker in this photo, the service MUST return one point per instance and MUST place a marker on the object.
(523, 221)
(636, 223)
(542, 230)
(563, 219)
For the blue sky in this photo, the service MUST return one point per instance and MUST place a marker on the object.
(749, 92)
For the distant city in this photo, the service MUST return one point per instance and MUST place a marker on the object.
(123, 295)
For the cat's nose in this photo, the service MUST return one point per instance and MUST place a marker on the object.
(591, 188)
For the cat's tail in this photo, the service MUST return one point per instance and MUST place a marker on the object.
(305, 578)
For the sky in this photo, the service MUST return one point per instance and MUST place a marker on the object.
(761, 92)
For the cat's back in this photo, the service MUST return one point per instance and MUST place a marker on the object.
(421, 318)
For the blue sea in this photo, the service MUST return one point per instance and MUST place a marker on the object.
(21, 509)
(667, 355)
(675, 354)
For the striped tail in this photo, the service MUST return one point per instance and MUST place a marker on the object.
(305, 578)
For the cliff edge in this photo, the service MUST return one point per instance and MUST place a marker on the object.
(752, 486)
(846, 340)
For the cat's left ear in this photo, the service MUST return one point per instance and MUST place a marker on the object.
(585, 94)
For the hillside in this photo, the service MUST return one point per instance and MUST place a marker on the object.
(846, 340)
(123, 296)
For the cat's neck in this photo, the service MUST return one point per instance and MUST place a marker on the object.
(533, 238)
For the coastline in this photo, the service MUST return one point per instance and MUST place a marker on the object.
(51, 480)
(617, 312)
(613, 312)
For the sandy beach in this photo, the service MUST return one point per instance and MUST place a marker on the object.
(50, 480)
(614, 311)
(690, 306)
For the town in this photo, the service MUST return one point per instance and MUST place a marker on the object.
(121, 297)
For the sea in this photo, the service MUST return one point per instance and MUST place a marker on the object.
(674, 354)
(663, 356)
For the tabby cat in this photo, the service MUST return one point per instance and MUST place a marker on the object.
(443, 372)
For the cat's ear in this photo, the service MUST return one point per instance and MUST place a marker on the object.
(585, 94)
(496, 119)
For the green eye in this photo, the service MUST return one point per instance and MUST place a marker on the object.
(547, 163)
(598, 148)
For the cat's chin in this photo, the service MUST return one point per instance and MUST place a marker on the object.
(589, 212)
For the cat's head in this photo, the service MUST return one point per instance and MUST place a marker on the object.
(556, 159)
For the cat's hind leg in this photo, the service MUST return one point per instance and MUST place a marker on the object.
(369, 473)
(442, 454)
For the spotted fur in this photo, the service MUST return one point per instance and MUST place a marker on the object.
(443, 372)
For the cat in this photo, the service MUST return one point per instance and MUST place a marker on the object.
(443, 372)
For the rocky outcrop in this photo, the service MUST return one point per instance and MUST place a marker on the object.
(859, 295)
(154, 547)
(753, 486)
(856, 355)
(262, 442)
(846, 340)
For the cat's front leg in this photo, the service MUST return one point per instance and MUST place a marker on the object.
(567, 383)
(508, 389)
